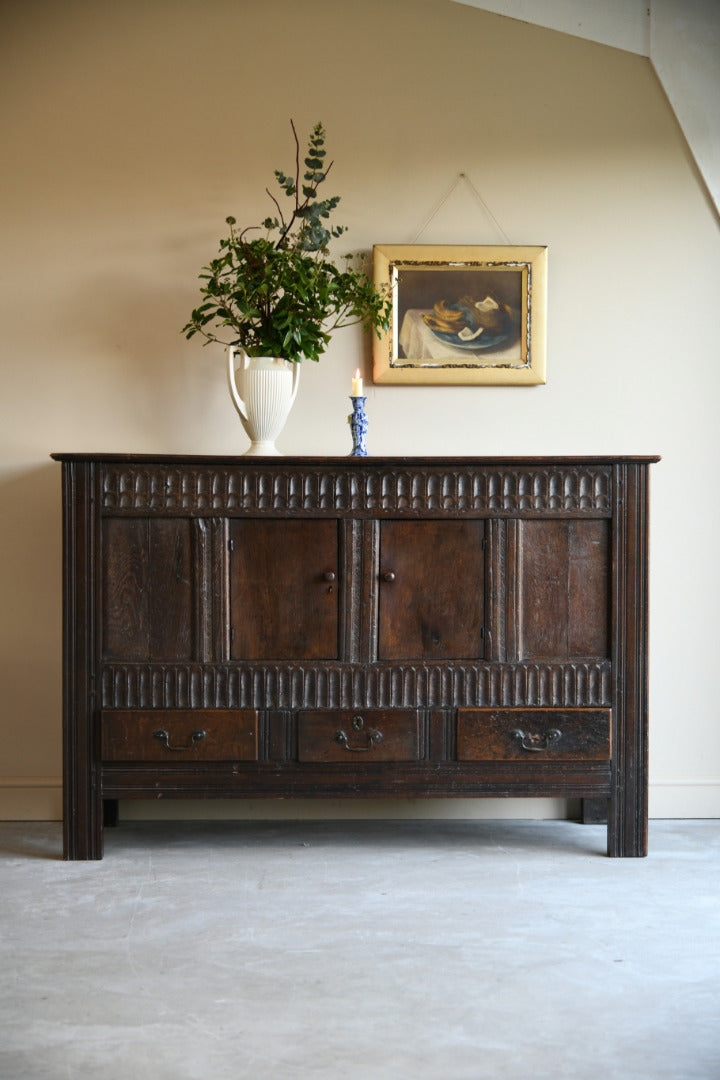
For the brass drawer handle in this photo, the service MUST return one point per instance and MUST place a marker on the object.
(373, 737)
(164, 737)
(536, 742)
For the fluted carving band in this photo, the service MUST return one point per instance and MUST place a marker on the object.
(375, 489)
(346, 686)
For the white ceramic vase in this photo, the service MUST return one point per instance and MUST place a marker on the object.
(263, 389)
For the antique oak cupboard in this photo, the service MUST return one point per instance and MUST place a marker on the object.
(279, 627)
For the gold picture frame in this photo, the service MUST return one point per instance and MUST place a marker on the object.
(462, 315)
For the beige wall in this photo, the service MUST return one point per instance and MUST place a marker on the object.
(131, 130)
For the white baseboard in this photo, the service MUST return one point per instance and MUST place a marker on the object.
(30, 798)
(685, 798)
(39, 798)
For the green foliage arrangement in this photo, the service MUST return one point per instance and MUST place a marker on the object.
(282, 294)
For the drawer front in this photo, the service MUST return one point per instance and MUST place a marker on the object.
(533, 735)
(179, 735)
(359, 735)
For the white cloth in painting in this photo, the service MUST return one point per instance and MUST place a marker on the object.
(418, 342)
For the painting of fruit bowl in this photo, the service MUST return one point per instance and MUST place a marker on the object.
(462, 314)
(472, 324)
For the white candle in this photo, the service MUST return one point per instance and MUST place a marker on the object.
(357, 384)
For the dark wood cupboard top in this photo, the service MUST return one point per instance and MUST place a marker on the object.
(357, 462)
(354, 487)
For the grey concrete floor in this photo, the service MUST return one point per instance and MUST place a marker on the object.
(360, 951)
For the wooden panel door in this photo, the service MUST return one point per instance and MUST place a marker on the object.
(147, 590)
(432, 590)
(564, 608)
(284, 589)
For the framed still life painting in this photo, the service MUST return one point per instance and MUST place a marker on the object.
(462, 315)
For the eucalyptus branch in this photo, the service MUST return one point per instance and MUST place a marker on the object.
(300, 208)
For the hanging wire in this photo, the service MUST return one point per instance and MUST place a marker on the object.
(441, 202)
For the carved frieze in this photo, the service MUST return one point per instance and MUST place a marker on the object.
(335, 686)
(421, 490)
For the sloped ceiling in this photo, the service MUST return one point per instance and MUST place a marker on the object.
(681, 38)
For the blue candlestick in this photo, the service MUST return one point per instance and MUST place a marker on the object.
(358, 426)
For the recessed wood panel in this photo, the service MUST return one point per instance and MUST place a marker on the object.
(564, 590)
(125, 592)
(284, 590)
(589, 590)
(170, 589)
(432, 590)
(147, 600)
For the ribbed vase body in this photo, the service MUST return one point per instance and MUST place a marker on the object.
(266, 387)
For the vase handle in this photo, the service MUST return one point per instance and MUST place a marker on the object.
(295, 382)
(237, 400)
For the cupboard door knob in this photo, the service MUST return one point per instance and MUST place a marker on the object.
(329, 575)
(389, 575)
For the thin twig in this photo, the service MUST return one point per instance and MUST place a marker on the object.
(297, 163)
(282, 217)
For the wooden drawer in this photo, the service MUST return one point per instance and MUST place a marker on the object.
(359, 735)
(533, 734)
(179, 735)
